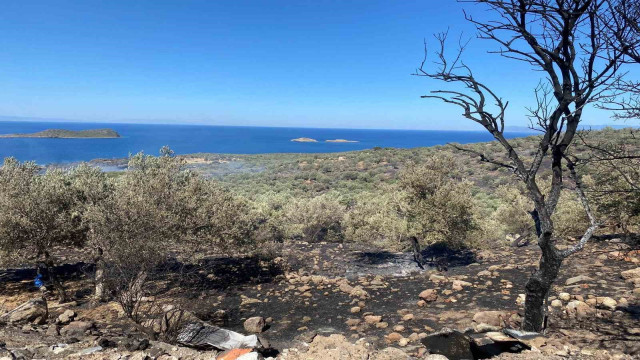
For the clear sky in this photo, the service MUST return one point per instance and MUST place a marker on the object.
(266, 63)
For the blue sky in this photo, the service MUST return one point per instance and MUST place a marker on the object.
(264, 63)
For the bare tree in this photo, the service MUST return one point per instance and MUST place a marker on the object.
(565, 41)
(623, 24)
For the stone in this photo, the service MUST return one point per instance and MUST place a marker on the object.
(76, 328)
(493, 318)
(355, 309)
(32, 311)
(255, 324)
(578, 279)
(449, 343)
(458, 285)
(394, 337)
(606, 303)
(631, 274)
(372, 319)
(564, 296)
(436, 357)
(390, 353)
(66, 317)
(579, 309)
(429, 295)
(556, 303)
(408, 317)
(398, 328)
(403, 342)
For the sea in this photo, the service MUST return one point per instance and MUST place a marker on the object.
(188, 139)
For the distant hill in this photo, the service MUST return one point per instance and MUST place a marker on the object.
(68, 134)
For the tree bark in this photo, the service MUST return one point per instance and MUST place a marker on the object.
(53, 277)
(538, 286)
(99, 276)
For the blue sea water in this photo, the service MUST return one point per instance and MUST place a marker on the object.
(186, 139)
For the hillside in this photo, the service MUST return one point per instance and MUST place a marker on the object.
(68, 134)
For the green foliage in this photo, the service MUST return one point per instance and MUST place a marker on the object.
(379, 218)
(440, 201)
(316, 219)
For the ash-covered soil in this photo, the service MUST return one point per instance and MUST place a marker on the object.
(314, 290)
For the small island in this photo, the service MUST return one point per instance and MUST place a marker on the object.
(341, 141)
(304, 139)
(68, 134)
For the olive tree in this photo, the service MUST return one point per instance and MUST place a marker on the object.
(440, 205)
(40, 213)
(568, 44)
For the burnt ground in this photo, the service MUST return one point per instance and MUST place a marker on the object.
(303, 293)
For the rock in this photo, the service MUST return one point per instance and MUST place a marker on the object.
(136, 344)
(436, 357)
(255, 324)
(606, 303)
(556, 303)
(578, 279)
(353, 322)
(52, 331)
(372, 319)
(403, 342)
(390, 354)
(32, 311)
(458, 285)
(631, 274)
(355, 309)
(394, 337)
(484, 273)
(449, 343)
(399, 328)
(408, 317)
(493, 318)
(564, 296)
(579, 309)
(66, 317)
(521, 299)
(76, 328)
(429, 295)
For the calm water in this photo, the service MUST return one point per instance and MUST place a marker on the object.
(185, 139)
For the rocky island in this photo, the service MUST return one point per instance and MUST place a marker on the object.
(341, 141)
(304, 139)
(68, 134)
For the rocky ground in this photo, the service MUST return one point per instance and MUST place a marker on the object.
(334, 301)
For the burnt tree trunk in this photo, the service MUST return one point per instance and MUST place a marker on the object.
(53, 277)
(537, 290)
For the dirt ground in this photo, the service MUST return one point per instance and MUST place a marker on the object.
(315, 290)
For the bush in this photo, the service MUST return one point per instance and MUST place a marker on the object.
(440, 202)
(316, 219)
(379, 219)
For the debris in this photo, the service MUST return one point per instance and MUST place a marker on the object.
(202, 336)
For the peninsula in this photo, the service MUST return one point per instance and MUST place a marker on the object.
(67, 134)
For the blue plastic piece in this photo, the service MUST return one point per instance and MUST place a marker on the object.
(38, 281)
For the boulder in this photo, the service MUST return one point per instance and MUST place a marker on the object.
(66, 317)
(255, 324)
(493, 318)
(579, 309)
(429, 295)
(604, 302)
(33, 311)
(631, 274)
(449, 343)
(390, 354)
(578, 279)
(76, 328)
